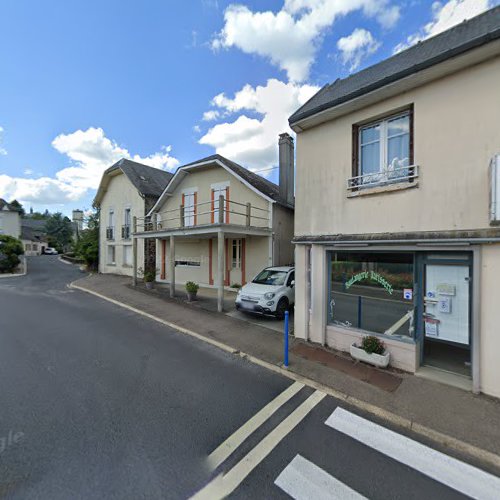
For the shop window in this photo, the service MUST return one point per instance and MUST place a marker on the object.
(372, 292)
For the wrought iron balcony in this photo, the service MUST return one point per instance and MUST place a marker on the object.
(384, 177)
(126, 232)
(110, 233)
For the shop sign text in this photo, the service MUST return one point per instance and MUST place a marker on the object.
(372, 275)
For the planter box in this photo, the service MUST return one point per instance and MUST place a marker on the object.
(191, 296)
(380, 360)
(149, 285)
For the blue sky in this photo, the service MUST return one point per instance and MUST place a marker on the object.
(83, 83)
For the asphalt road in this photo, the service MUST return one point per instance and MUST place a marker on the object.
(98, 402)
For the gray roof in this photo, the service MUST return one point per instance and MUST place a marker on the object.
(37, 224)
(261, 184)
(466, 36)
(4, 204)
(32, 234)
(149, 181)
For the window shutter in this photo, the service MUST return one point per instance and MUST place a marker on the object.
(195, 209)
(355, 150)
(227, 205)
(212, 207)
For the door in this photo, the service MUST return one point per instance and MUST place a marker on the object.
(446, 321)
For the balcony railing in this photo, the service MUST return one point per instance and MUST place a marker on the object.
(387, 176)
(110, 233)
(126, 232)
(219, 211)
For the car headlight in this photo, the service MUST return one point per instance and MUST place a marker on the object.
(269, 295)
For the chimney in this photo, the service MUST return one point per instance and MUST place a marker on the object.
(286, 167)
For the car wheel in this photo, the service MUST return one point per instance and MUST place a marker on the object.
(281, 308)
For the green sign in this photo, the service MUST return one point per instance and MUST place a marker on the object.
(373, 276)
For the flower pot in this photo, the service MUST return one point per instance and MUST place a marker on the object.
(191, 296)
(149, 285)
(379, 360)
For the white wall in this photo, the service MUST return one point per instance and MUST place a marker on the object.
(10, 223)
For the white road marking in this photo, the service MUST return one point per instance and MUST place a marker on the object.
(232, 442)
(224, 485)
(457, 475)
(303, 480)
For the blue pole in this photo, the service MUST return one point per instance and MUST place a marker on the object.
(359, 311)
(285, 364)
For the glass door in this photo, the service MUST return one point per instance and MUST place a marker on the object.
(446, 317)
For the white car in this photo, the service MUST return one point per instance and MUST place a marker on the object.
(270, 292)
(50, 251)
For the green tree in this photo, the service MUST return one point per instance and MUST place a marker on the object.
(19, 207)
(87, 246)
(59, 231)
(10, 249)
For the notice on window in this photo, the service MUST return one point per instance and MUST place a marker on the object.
(446, 289)
(431, 327)
(408, 293)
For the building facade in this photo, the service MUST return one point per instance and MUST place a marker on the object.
(218, 224)
(396, 229)
(128, 189)
(10, 219)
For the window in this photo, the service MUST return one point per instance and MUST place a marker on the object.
(217, 192)
(372, 292)
(110, 229)
(270, 277)
(127, 255)
(236, 261)
(27, 247)
(35, 247)
(126, 225)
(383, 150)
(290, 279)
(189, 202)
(187, 263)
(111, 254)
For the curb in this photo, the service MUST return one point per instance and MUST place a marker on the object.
(457, 445)
(25, 271)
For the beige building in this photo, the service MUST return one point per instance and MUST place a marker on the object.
(398, 206)
(10, 220)
(219, 224)
(128, 189)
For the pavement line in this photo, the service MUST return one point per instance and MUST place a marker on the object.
(443, 439)
(224, 485)
(232, 442)
(447, 470)
(303, 480)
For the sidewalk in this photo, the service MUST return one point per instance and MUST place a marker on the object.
(438, 412)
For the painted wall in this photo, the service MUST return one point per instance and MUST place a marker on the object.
(283, 226)
(120, 194)
(197, 250)
(10, 223)
(456, 135)
(490, 320)
(201, 181)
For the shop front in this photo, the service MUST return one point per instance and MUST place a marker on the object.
(421, 299)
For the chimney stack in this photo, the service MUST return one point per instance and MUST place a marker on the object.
(286, 168)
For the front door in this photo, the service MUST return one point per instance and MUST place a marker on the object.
(447, 317)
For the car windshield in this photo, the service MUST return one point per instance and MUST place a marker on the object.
(270, 277)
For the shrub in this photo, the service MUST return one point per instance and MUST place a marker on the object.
(150, 276)
(192, 287)
(10, 249)
(372, 344)
(236, 286)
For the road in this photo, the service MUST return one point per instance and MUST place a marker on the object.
(98, 402)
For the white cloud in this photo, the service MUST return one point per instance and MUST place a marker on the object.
(3, 151)
(253, 141)
(355, 47)
(210, 115)
(90, 152)
(290, 38)
(444, 17)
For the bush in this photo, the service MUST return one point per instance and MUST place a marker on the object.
(237, 286)
(191, 287)
(150, 276)
(10, 249)
(372, 344)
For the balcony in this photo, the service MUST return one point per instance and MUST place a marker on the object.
(206, 217)
(126, 232)
(385, 177)
(110, 233)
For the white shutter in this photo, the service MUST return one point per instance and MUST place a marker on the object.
(495, 190)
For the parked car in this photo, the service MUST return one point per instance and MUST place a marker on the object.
(50, 251)
(270, 292)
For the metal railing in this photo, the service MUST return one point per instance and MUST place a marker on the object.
(220, 211)
(126, 232)
(384, 177)
(110, 233)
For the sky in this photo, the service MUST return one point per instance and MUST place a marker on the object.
(84, 83)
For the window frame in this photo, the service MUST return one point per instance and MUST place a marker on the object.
(237, 244)
(356, 140)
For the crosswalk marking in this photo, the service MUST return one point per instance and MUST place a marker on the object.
(303, 480)
(434, 464)
(232, 442)
(224, 485)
